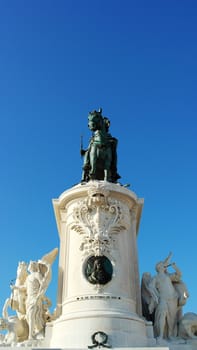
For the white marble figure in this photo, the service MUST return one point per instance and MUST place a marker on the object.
(37, 304)
(37, 282)
(29, 301)
(17, 299)
(162, 298)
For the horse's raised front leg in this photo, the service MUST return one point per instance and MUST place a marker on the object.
(93, 161)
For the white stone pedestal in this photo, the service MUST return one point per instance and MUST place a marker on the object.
(98, 219)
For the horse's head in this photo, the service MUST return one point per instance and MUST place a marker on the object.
(95, 120)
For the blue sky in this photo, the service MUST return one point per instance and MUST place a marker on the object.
(136, 60)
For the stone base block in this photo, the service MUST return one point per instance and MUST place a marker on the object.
(76, 331)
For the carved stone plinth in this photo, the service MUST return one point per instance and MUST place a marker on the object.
(98, 291)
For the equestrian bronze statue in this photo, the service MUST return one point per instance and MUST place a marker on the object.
(100, 158)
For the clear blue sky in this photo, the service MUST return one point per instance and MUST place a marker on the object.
(136, 59)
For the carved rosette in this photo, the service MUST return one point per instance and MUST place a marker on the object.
(98, 218)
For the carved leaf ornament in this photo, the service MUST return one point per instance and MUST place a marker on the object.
(98, 217)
